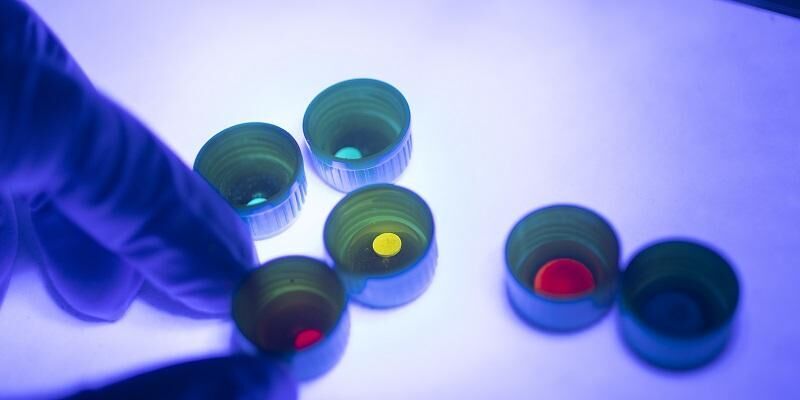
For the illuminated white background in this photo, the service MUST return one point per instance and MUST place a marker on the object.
(669, 118)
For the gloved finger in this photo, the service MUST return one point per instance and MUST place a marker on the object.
(118, 183)
(89, 280)
(9, 239)
(234, 377)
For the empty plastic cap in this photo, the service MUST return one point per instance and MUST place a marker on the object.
(677, 304)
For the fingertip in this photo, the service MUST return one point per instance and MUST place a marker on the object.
(212, 252)
(83, 277)
(204, 286)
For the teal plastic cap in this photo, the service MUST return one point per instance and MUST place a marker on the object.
(294, 309)
(359, 133)
(381, 240)
(677, 305)
(258, 169)
(562, 267)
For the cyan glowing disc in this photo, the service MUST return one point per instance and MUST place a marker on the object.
(348, 153)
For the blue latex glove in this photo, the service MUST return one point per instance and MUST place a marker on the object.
(237, 377)
(111, 204)
(112, 207)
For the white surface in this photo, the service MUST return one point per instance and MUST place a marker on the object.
(670, 118)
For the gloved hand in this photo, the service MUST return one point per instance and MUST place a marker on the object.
(111, 205)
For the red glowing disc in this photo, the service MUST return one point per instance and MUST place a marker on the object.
(563, 278)
(306, 338)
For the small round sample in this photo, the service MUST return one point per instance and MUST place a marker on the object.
(387, 244)
(349, 153)
(563, 278)
(306, 338)
(562, 265)
(258, 169)
(359, 133)
(381, 240)
(677, 304)
(294, 309)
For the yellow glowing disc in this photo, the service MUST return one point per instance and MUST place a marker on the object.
(387, 244)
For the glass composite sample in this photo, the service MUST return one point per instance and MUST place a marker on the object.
(677, 304)
(575, 238)
(374, 276)
(563, 278)
(359, 133)
(258, 169)
(294, 308)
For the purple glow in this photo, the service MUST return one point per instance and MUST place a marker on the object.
(674, 118)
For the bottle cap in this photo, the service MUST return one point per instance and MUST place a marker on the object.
(381, 240)
(677, 304)
(562, 265)
(359, 133)
(294, 309)
(258, 169)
